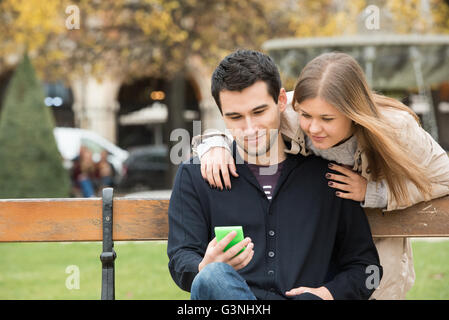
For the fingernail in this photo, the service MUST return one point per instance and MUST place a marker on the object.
(337, 193)
(328, 175)
(329, 183)
(330, 165)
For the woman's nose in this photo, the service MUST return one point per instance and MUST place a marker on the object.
(315, 127)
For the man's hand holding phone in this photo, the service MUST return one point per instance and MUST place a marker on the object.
(215, 252)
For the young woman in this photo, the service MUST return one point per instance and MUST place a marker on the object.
(385, 159)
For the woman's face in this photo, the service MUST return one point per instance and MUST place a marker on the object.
(323, 123)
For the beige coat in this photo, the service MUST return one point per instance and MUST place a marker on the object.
(395, 253)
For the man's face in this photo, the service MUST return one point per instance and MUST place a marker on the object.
(251, 115)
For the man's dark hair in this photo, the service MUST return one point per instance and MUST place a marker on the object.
(241, 69)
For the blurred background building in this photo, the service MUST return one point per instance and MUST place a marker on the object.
(132, 71)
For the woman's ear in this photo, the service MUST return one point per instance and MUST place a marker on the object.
(282, 100)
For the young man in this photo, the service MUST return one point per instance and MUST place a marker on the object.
(302, 241)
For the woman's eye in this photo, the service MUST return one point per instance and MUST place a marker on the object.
(305, 115)
(328, 119)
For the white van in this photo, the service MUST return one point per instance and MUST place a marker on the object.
(69, 141)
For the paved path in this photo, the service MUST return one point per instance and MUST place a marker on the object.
(155, 194)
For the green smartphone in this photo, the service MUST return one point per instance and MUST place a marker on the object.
(221, 232)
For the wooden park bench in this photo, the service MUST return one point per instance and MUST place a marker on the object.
(111, 219)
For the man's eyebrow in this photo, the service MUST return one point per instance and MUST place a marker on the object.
(260, 107)
(230, 114)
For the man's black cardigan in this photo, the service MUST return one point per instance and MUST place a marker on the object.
(304, 236)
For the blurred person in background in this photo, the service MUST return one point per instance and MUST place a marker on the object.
(83, 173)
(104, 172)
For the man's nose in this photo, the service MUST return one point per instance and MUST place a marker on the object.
(250, 128)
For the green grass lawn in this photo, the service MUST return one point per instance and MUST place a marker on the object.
(38, 271)
(431, 261)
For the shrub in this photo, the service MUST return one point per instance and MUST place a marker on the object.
(30, 163)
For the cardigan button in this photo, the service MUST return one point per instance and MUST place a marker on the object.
(271, 233)
(271, 254)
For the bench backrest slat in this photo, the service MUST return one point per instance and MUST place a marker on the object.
(425, 219)
(30, 220)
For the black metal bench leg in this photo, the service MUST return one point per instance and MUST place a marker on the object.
(108, 255)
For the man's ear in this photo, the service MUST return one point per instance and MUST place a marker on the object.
(282, 100)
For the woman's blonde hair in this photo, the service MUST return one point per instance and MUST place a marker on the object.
(338, 79)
